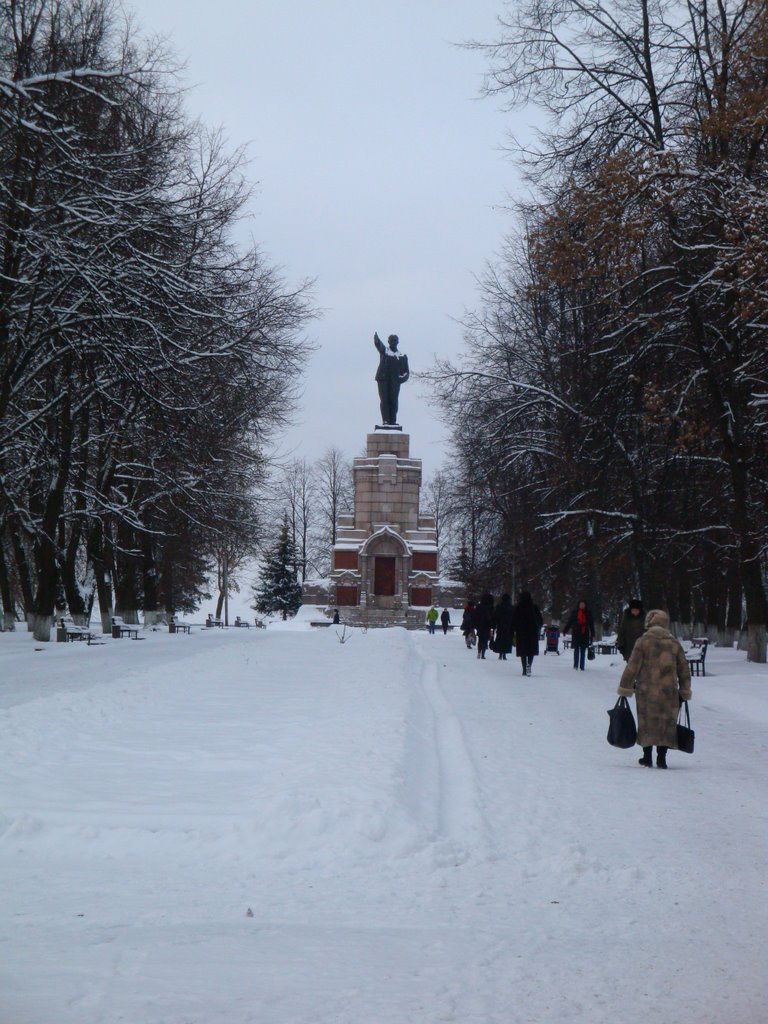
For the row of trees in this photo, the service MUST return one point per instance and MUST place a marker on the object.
(145, 358)
(613, 399)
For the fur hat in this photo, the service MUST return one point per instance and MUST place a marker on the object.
(657, 617)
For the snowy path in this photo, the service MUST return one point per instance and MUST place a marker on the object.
(418, 836)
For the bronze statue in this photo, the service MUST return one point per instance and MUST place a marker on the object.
(392, 372)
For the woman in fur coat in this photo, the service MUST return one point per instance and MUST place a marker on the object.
(657, 674)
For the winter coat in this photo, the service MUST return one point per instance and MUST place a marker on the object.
(579, 638)
(631, 628)
(503, 618)
(657, 674)
(527, 623)
(482, 620)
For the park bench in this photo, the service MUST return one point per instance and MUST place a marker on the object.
(68, 629)
(177, 627)
(241, 623)
(120, 628)
(697, 663)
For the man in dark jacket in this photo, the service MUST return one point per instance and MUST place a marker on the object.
(631, 628)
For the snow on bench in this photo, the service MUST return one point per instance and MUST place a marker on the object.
(120, 628)
(69, 630)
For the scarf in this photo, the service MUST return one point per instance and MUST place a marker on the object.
(581, 618)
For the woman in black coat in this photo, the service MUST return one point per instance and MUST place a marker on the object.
(502, 621)
(482, 620)
(527, 623)
(467, 624)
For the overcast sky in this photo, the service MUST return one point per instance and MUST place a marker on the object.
(380, 173)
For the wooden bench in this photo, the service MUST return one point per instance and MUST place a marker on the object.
(603, 648)
(68, 629)
(120, 628)
(178, 627)
(241, 623)
(697, 663)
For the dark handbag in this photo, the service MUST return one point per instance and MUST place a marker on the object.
(591, 654)
(622, 731)
(685, 734)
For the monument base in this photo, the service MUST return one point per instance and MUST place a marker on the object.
(388, 426)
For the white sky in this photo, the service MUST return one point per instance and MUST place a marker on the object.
(380, 173)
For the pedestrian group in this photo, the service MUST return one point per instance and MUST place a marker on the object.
(656, 671)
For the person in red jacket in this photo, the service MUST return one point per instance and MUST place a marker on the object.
(581, 626)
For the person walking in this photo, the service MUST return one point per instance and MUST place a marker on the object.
(445, 620)
(527, 623)
(657, 674)
(581, 626)
(631, 628)
(467, 627)
(502, 622)
(431, 619)
(482, 620)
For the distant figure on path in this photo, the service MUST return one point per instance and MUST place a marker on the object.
(482, 620)
(467, 627)
(503, 621)
(527, 624)
(392, 372)
(581, 626)
(631, 628)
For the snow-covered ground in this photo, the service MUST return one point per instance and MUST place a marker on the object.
(270, 826)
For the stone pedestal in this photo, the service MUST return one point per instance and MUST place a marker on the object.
(385, 557)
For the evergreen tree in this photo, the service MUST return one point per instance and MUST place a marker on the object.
(278, 588)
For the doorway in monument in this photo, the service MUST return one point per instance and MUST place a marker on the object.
(384, 576)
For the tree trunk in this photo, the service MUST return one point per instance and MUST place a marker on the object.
(9, 608)
(149, 574)
(756, 643)
(47, 588)
(126, 568)
(24, 573)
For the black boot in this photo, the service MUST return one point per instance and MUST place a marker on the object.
(647, 759)
(661, 757)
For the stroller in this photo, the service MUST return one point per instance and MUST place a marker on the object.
(553, 640)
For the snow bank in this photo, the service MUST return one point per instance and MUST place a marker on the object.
(270, 826)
